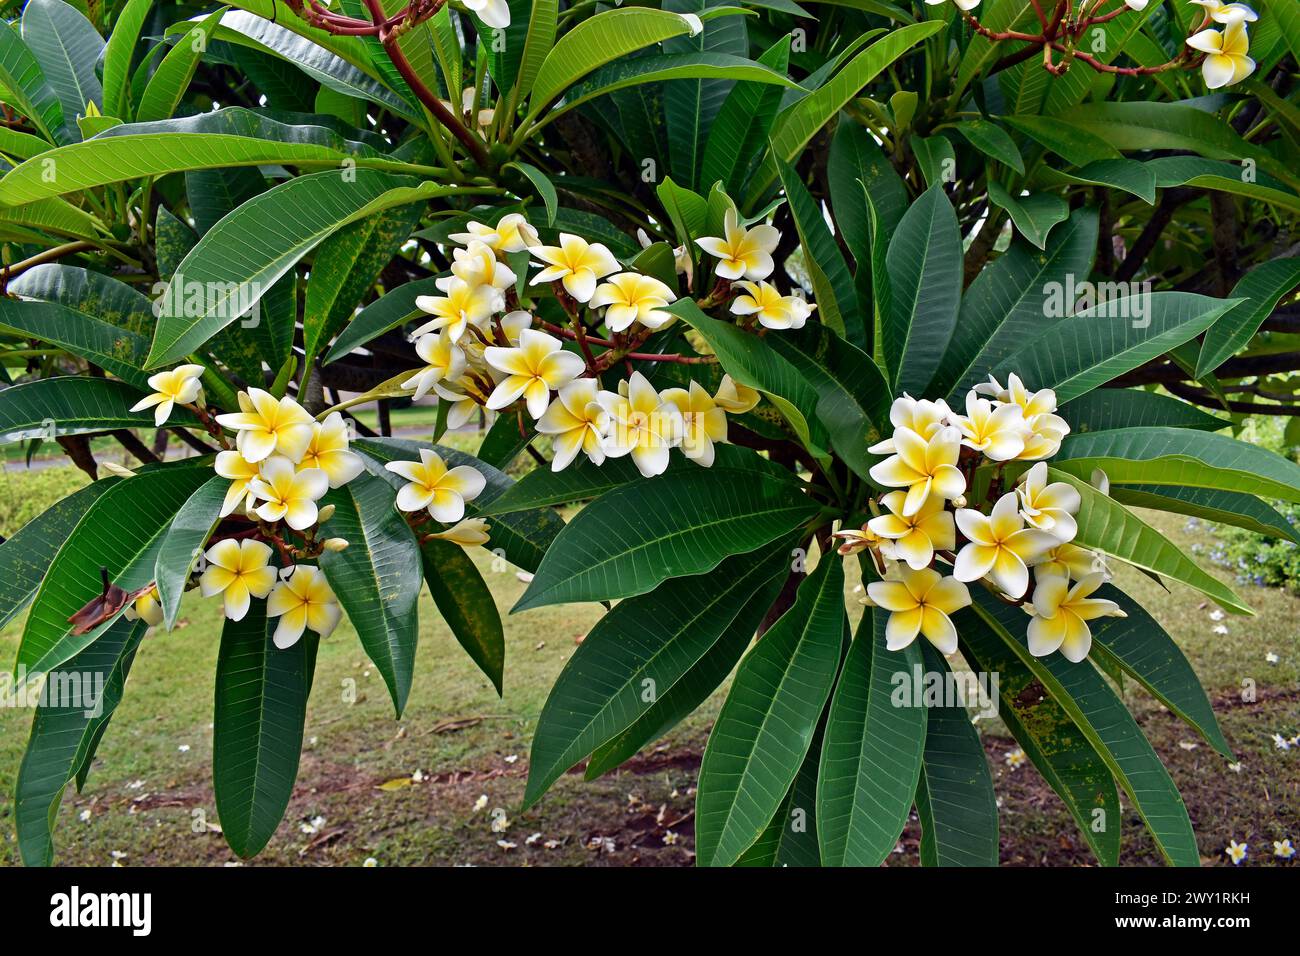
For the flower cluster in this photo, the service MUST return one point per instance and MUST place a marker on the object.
(927, 523)
(482, 349)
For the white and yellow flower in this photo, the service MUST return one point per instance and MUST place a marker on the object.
(1046, 432)
(301, 601)
(576, 422)
(1049, 507)
(643, 424)
(536, 367)
(922, 467)
(1226, 61)
(328, 451)
(241, 472)
(631, 297)
(512, 233)
(774, 310)
(145, 608)
(461, 306)
(742, 253)
(445, 361)
(493, 13)
(1061, 614)
(1071, 561)
(734, 398)
(999, 432)
(1236, 851)
(238, 571)
(1000, 547)
(460, 405)
(177, 386)
(477, 265)
(1221, 12)
(915, 538)
(576, 263)
(467, 532)
(919, 602)
(269, 426)
(966, 5)
(432, 485)
(704, 422)
(288, 493)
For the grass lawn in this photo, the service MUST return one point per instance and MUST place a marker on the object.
(149, 797)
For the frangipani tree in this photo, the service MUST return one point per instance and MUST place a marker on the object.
(762, 291)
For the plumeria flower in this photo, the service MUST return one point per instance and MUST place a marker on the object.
(1047, 430)
(742, 253)
(461, 306)
(857, 539)
(734, 398)
(1015, 759)
(241, 472)
(434, 486)
(1227, 12)
(921, 416)
(444, 362)
(576, 422)
(477, 265)
(774, 310)
(146, 608)
(1048, 507)
(1136, 4)
(643, 425)
(288, 493)
(631, 297)
(919, 602)
(916, 537)
(238, 571)
(1236, 851)
(177, 386)
(269, 426)
(997, 432)
(1073, 562)
(535, 368)
(966, 5)
(1061, 614)
(703, 422)
(922, 467)
(493, 13)
(576, 263)
(512, 233)
(469, 100)
(1225, 60)
(462, 406)
(303, 600)
(328, 451)
(466, 532)
(1001, 548)
(1283, 850)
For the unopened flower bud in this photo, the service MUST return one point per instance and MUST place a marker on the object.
(959, 501)
(325, 514)
(113, 468)
(335, 544)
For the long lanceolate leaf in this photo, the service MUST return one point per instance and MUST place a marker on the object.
(377, 578)
(638, 652)
(742, 124)
(67, 47)
(767, 723)
(1105, 409)
(1109, 727)
(466, 605)
(1098, 344)
(26, 87)
(1262, 287)
(115, 350)
(1049, 737)
(954, 796)
(81, 698)
(1225, 507)
(871, 757)
(72, 405)
(261, 705)
(629, 540)
(289, 220)
(183, 543)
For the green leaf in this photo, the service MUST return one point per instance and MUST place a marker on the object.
(766, 724)
(113, 349)
(1140, 646)
(71, 405)
(1179, 456)
(540, 39)
(1089, 349)
(1075, 146)
(1105, 409)
(1225, 507)
(466, 606)
(1107, 526)
(1261, 288)
(25, 555)
(119, 535)
(172, 78)
(93, 293)
(1049, 737)
(630, 539)
(67, 47)
(871, 758)
(1034, 215)
(857, 163)
(261, 706)
(183, 544)
(389, 311)
(1127, 175)
(687, 209)
(993, 141)
(26, 88)
(740, 129)
(118, 53)
(638, 652)
(62, 734)
(1228, 177)
(1008, 301)
(376, 578)
(954, 796)
(543, 186)
(1109, 727)
(293, 218)
(925, 278)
